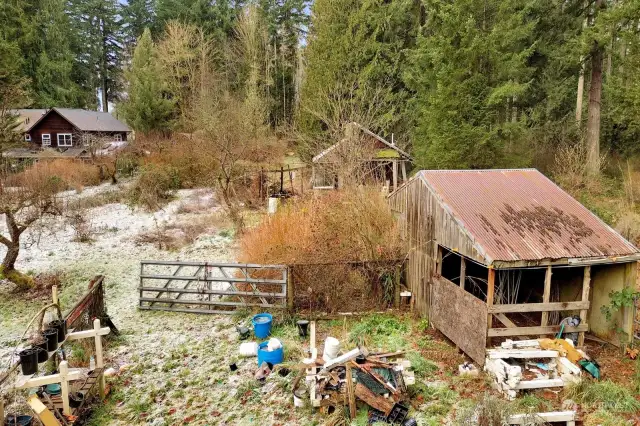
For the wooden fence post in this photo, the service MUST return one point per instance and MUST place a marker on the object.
(99, 356)
(290, 288)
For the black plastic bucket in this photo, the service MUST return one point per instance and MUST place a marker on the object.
(43, 355)
(51, 334)
(61, 326)
(303, 325)
(29, 361)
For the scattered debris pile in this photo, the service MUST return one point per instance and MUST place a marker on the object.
(378, 380)
(535, 364)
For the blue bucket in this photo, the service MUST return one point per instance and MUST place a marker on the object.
(262, 325)
(273, 357)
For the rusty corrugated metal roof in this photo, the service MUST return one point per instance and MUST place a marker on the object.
(522, 215)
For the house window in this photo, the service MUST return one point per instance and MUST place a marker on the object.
(27, 137)
(118, 137)
(46, 139)
(64, 139)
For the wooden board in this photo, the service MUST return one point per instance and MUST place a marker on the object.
(461, 317)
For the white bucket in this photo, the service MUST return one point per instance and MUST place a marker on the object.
(249, 349)
(273, 205)
(331, 348)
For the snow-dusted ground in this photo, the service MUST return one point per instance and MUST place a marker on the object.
(178, 363)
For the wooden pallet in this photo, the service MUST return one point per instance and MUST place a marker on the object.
(88, 388)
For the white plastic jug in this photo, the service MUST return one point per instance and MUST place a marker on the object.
(331, 348)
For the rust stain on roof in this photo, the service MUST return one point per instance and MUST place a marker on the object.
(521, 215)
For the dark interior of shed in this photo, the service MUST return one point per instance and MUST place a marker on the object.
(517, 286)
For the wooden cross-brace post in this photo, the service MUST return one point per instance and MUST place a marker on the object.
(586, 288)
(546, 296)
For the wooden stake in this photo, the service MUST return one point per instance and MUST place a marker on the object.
(350, 392)
(99, 357)
(54, 291)
(546, 296)
(64, 388)
(586, 287)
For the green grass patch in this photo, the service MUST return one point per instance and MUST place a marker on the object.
(605, 395)
(421, 366)
(380, 331)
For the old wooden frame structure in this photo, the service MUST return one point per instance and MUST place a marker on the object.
(211, 288)
(362, 146)
(50, 411)
(468, 233)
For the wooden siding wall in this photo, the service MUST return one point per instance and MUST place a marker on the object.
(52, 124)
(425, 224)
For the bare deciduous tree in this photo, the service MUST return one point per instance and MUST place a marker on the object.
(25, 199)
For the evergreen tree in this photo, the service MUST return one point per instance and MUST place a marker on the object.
(137, 15)
(146, 108)
(357, 51)
(216, 18)
(98, 42)
(13, 93)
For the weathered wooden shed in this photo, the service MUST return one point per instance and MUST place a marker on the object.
(506, 253)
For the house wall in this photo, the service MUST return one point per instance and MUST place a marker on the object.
(54, 124)
(605, 279)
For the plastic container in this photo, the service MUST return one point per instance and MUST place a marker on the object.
(18, 420)
(61, 326)
(43, 355)
(331, 348)
(262, 325)
(272, 357)
(29, 361)
(249, 349)
(51, 334)
(303, 326)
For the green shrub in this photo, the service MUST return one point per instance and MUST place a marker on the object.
(605, 395)
(154, 187)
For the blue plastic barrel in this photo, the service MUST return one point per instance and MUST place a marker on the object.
(274, 357)
(262, 325)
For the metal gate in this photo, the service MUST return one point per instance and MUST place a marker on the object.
(211, 288)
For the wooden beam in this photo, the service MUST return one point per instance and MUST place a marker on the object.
(404, 171)
(491, 281)
(64, 387)
(586, 289)
(351, 399)
(463, 272)
(539, 384)
(520, 353)
(42, 412)
(395, 174)
(438, 260)
(529, 331)
(550, 417)
(546, 296)
(539, 307)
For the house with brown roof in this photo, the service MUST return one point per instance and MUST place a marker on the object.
(507, 253)
(65, 128)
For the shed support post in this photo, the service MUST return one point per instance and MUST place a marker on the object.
(546, 296)
(439, 261)
(586, 289)
(490, 294)
(404, 171)
(395, 174)
(463, 272)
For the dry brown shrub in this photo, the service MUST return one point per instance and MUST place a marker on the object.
(73, 174)
(344, 244)
(174, 236)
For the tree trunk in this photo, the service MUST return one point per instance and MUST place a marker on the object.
(103, 68)
(9, 262)
(593, 121)
(580, 94)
